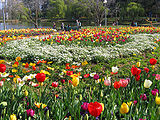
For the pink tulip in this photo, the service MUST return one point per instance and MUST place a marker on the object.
(1, 83)
(107, 82)
(124, 82)
(85, 106)
(143, 97)
(30, 112)
(157, 76)
(154, 92)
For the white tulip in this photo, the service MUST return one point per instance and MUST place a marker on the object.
(114, 69)
(147, 83)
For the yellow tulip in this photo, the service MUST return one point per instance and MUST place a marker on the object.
(75, 81)
(124, 108)
(14, 65)
(18, 58)
(14, 70)
(13, 117)
(45, 72)
(2, 61)
(129, 103)
(102, 106)
(26, 93)
(138, 64)
(157, 100)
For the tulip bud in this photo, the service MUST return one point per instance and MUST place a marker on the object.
(86, 117)
(47, 114)
(80, 97)
(12, 97)
(158, 110)
(157, 100)
(69, 118)
(12, 89)
(41, 83)
(26, 93)
(101, 94)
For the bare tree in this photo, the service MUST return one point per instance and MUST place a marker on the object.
(97, 8)
(29, 8)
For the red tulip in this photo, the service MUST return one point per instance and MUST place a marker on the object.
(54, 84)
(34, 68)
(146, 70)
(138, 71)
(62, 81)
(95, 109)
(86, 75)
(153, 61)
(2, 68)
(134, 71)
(40, 77)
(27, 65)
(137, 77)
(117, 84)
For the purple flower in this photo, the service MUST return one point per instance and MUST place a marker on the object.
(143, 97)
(30, 112)
(85, 106)
(96, 77)
(154, 92)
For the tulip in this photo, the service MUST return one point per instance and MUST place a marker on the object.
(134, 71)
(154, 92)
(137, 77)
(2, 68)
(30, 112)
(143, 97)
(153, 61)
(102, 106)
(147, 83)
(62, 81)
(86, 75)
(115, 69)
(124, 108)
(135, 102)
(75, 81)
(138, 64)
(157, 76)
(85, 106)
(26, 93)
(157, 100)
(95, 109)
(117, 85)
(146, 70)
(13, 117)
(40, 77)
(107, 82)
(54, 84)
(1, 83)
(34, 68)
(27, 65)
(96, 76)
(124, 82)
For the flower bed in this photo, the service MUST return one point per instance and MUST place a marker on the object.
(35, 50)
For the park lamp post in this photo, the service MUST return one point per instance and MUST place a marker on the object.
(105, 2)
(3, 7)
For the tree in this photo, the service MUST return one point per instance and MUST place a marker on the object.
(135, 10)
(56, 9)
